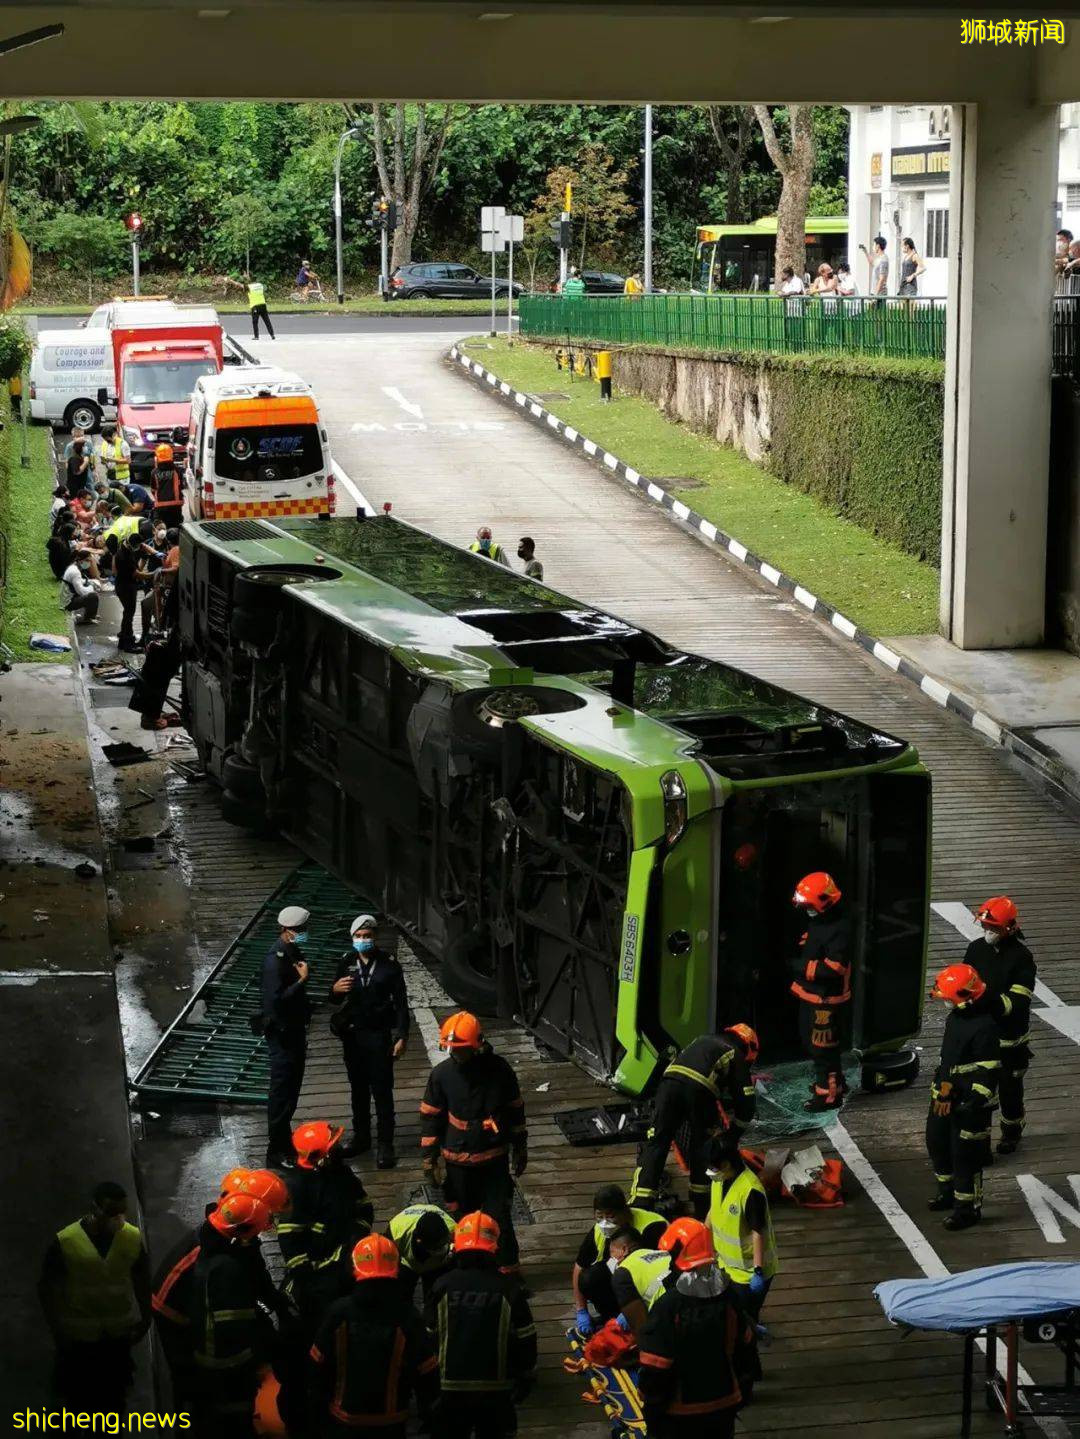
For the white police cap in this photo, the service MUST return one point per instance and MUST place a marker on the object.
(293, 916)
(362, 921)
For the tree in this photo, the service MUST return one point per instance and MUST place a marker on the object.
(600, 201)
(795, 164)
(84, 242)
(416, 135)
(733, 130)
(244, 218)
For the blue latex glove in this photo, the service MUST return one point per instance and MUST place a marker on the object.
(623, 1323)
(757, 1284)
(584, 1323)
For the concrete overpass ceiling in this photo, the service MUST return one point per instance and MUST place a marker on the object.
(549, 51)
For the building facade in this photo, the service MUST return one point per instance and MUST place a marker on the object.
(898, 185)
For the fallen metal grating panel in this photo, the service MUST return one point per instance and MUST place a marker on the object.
(210, 1052)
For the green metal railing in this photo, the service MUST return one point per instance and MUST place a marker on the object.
(805, 324)
(209, 1051)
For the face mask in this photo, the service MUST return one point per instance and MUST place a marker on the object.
(363, 946)
(613, 1264)
(993, 936)
(606, 1226)
(523, 554)
(300, 937)
(713, 1174)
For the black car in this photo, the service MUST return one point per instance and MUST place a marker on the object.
(603, 282)
(443, 280)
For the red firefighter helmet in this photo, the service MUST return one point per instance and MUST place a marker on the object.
(461, 1031)
(476, 1233)
(375, 1257)
(998, 913)
(689, 1242)
(817, 891)
(958, 984)
(313, 1142)
(748, 1038)
(240, 1216)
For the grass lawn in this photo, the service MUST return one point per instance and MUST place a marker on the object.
(31, 601)
(359, 305)
(879, 586)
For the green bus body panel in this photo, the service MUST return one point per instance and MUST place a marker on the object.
(427, 603)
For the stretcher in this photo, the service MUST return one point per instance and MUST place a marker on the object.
(1037, 1302)
(612, 1389)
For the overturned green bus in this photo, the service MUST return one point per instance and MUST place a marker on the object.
(590, 830)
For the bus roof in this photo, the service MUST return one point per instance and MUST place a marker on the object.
(249, 381)
(470, 620)
(815, 225)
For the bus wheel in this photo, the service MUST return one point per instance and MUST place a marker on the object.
(259, 587)
(242, 780)
(882, 1073)
(244, 813)
(466, 972)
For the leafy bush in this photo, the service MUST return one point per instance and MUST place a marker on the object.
(15, 347)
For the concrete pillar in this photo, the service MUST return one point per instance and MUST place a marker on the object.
(997, 374)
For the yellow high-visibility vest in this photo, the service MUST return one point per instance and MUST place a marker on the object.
(732, 1236)
(99, 1300)
(402, 1227)
(114, 455)
(640, 1219)
(647, 1268)
(256, 293)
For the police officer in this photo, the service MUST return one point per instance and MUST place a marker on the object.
(486, 546)
(256, 293)
(285, 1013)
(1007, 968)
(713, 1069)
(823, 988)
(372, 1022)
(962, 1095)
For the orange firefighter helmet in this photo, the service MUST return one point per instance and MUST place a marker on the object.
(817, 891)
(375, 1257)
(461, 1031)
(689, 1242)
(476, 1233)
(959, 984)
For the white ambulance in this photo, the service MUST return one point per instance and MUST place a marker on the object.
(258, 448)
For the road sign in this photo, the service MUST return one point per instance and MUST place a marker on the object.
(492, 243)
(513, 228)
(133, 221)
(491, 217)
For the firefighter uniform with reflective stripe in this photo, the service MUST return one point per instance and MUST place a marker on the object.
(738, 1205)
(371, 1353)
(823, 989)
(486, 1346)
(694, 1345)
(329, 1208)
(710, 1072)
(231, 1337)
(473, 1116)
(1008, 970)
(962, 1101)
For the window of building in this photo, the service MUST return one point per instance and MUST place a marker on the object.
(1072, 197)
(937, 234)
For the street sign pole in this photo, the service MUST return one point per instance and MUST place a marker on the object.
(493, 289)
(135, 263)
(384, 263)
(492, 238)
(513, 231)
(564, 256)
(648, 200)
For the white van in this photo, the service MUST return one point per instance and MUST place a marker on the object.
(258, 448)
(67, 370)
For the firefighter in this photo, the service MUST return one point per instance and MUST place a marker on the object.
(173, 1279)
(639, 1278)
(592, 1272)
(473, 1119)
(823, 987)
(696, 1344)
(711, 1071)
(167, 487)
(489, 548)
(330, 1206)
(741, 1225)
(231, 1335)
(285, 1014)
(372, 1022)
(486, 1337)
(962, 1095)
(423, 1234)
(1006, 966)
(372, 1352)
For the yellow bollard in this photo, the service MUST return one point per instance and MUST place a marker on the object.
(603, 373)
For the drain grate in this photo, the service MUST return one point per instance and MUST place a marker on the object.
(210, 1051)
(182, 1124)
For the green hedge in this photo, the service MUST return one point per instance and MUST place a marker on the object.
(867, 441)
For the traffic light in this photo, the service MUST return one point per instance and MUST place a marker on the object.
(560, 234)
(133, 222)
(384, 214)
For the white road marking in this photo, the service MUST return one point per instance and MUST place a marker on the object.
(31, 976)
(424, 993)
(1045, 1203)
(393, 393)
(359, 500)
(1065, 1018)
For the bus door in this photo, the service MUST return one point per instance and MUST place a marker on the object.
(268, 459)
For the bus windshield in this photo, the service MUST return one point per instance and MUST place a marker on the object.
(163, 382)
(706, 254)
(269, 453)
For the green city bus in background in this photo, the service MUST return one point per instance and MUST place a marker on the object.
(743, 257)
(589, 830)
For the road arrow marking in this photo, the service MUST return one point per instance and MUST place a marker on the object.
(393, 393)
